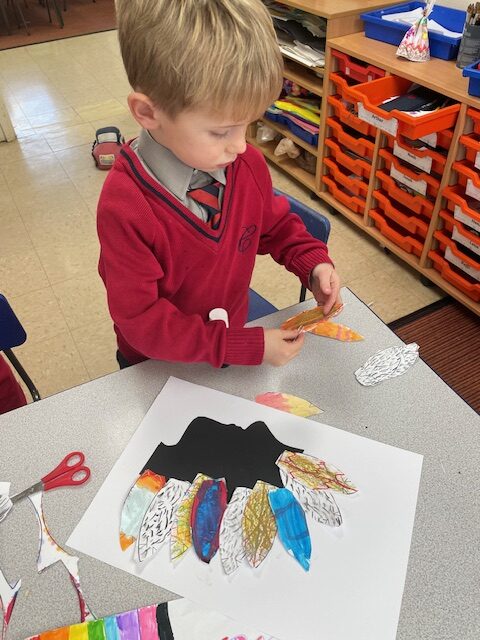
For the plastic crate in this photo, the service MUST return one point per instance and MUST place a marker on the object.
(353, 202)
(460, 233)
(458, 204)
(468, 177)
(396, 234)
(439, 139)
(354, 184)
(361, 146)
(422, 182)
(306, 136)
(452, 274)
(441, 46)
(355, 165)
(474, 114)
(425, 159)
(350, 119)
(401, 215)
(473, 73)
(355, 69)
(417, 204)
(343, 86)
(472, 148)
(372, 94)
(454, 255)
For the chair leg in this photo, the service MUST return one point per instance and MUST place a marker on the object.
(5, 17)
(20, 16)
(59, 13)
(23, 374)
(303, 293)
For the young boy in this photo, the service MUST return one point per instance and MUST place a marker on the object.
(189, 204)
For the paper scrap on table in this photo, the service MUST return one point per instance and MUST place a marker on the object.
(5, 502)
(289, 403)
(8, 595)
(386, 364)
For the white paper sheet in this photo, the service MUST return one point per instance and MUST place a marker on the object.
(355, 585)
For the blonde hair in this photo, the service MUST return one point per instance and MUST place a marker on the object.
(218, 54)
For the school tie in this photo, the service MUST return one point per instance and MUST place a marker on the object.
(207, 196)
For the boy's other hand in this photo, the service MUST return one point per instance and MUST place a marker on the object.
(325, 286)
(282, 346)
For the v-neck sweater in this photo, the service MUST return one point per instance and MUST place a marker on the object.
(164, 269)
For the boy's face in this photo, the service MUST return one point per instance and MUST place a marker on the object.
(201, 140)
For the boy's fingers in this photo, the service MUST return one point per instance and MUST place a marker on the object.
(290, 334)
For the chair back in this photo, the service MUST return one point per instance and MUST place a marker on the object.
(316, 223)
(12, 334)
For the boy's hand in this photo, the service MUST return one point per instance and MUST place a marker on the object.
(325, 286)
(281, 346)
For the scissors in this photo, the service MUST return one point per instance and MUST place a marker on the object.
(69, 473)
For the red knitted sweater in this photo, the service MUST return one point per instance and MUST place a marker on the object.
(164, 269)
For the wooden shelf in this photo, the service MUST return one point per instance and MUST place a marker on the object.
(338, 8)
(285, 131)
(439, 75)
(437, 279)
(285, 163)
(303, 76)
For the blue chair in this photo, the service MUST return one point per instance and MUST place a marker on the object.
(318, 226)
(12, 334)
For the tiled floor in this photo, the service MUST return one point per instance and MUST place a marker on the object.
(58, 94)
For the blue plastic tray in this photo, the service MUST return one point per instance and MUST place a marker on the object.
(306, 136)
(473, 72)
(393, 32)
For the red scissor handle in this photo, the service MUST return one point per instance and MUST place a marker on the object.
(69, 472)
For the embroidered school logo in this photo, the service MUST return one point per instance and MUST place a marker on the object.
(246, 240)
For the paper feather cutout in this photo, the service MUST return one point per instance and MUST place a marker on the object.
(207, 511)
(5, 502)
(136, 504)
(8, 595)
(50, 552)
(232, 550)
(181, 535)
(290, 404)
(292, 525)
(258, 524)
(319, 504)
(311, 317)
(386, 364)
(314, 473)
(335, 331)
(157, 523)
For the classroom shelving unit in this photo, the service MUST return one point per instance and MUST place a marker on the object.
(345, 35)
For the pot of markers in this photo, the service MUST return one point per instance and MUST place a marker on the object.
(470, 44)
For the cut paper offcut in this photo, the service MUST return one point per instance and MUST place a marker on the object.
(258, 524)
(288, 403)
(386, 364)
(314, 473)
(50, 552)
(306, 319)
(157, 522)
(335, 331)
(176, 620)
(5, 502)
(181, 533)
(8, 595)
(317, 503)
(208, 507)
(291, 525)
(136, 504)
(232, 549)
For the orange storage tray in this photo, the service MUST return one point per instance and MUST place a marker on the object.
(457, 202)
(344, 87)
(372, 94)
(400, 215)
(443, 139)
(450, 273)
(358, 166)
(460, 233)
(468, 262)
(432, 184)
(475, 116)
(354, 203)
(350, 119)
(417, 156)
(357, 186)
(396, 235)
(468, 177)
(358, 145)
(418, 204)
(354, 69)
(472, 148)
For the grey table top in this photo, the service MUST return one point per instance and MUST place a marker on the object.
(416, 411)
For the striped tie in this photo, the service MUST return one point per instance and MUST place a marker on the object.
(207, 196)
